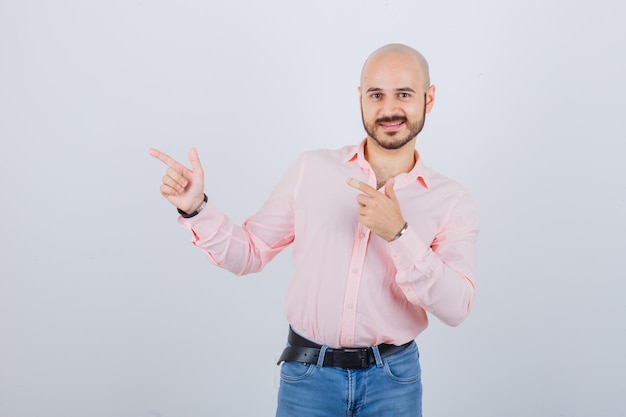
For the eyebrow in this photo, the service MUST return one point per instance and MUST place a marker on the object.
(376, 89)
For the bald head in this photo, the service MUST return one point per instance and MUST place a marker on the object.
(393, 55)
(395, 95)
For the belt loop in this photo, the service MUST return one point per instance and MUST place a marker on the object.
(320, 359)
(379, 360)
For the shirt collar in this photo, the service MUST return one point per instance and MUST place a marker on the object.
(419, 173)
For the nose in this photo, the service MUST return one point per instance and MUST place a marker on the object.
(390, 107)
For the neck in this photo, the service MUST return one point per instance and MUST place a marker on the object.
(387, 163)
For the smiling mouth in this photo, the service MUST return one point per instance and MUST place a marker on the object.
(392, 125)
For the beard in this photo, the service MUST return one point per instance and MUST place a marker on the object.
(392, 140)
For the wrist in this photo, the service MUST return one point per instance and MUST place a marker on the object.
(401, 232)
(199, 208)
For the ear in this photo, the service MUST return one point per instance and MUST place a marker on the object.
(430, 98)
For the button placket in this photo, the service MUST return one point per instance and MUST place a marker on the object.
(353, 284)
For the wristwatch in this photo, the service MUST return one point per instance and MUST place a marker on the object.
(198, 210)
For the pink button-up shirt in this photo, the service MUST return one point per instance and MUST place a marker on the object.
(350, 287)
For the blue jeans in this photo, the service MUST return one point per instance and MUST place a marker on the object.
(390, 388)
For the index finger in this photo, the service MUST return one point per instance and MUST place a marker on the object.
(361, 186)
(166, 159)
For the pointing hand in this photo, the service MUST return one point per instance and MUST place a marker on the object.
(379, 212)
(182, 187)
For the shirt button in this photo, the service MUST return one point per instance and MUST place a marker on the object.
(355, 270)
(362, 235)
(350, 305)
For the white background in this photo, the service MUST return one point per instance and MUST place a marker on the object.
(106, 310)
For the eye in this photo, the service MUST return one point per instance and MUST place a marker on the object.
(376, 96)
(404, 95)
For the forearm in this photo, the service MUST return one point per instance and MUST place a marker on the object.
(441, 283)
(229, 246)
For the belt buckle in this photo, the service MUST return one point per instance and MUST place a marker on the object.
(352, 358)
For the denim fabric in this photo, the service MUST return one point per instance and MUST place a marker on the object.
(391, 387)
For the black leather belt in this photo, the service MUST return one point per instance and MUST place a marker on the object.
(306, 351)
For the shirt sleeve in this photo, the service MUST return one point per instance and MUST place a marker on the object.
(439, 275)
(248, 248)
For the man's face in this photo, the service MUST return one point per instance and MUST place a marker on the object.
(394, 100)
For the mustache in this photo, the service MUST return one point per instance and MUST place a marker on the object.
(387, 119)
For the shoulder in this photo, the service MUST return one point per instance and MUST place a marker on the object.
(322, 156)
(343, 151)
(438, 181)
(449, 189)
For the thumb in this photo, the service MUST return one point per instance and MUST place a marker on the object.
(196, 166)
(389, 191)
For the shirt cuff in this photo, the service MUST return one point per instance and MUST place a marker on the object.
(409, 250)
(207, 222)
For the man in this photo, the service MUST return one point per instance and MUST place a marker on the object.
(379, 240)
